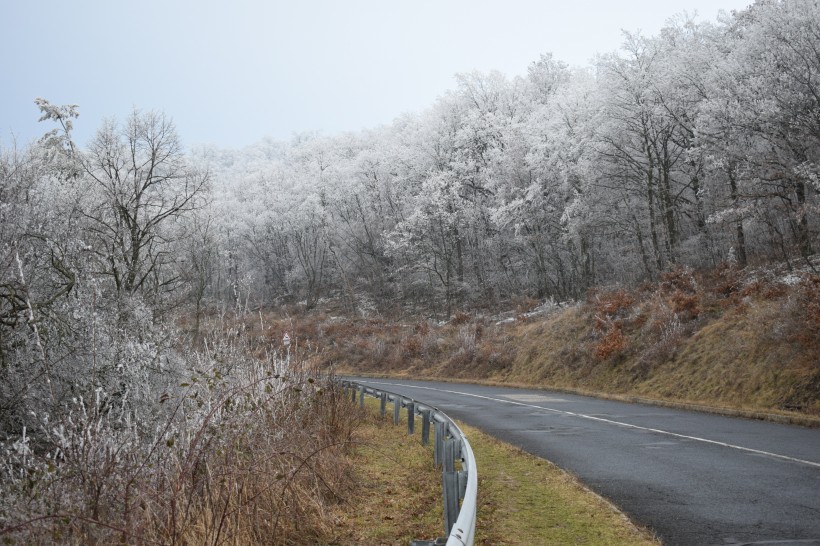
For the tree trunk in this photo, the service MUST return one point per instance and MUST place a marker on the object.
(740, 236)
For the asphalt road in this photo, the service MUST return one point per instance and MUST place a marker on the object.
(693, 478)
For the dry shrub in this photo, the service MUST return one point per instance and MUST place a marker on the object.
(613, 303)
(611, 345)
(459, 362)
(725, 283)
(412, 346)
(422, 328)
(767, 289)
(685, 305)
(525, 305)
(468, 335)
(235, 457)
(378, 349)
(680, 279)
(803, 310)
(430, 345)
(495, 358)
(460, 318)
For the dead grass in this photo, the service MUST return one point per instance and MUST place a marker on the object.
(740, 339)
(398, 490)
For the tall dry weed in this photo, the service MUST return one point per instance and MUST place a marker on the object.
(243, 451)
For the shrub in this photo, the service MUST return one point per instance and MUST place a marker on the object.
(611, 345)
(236, 453)
(614, 303)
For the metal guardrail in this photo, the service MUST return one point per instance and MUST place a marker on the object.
(450, 445)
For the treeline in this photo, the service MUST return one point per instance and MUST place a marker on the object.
(694, 147)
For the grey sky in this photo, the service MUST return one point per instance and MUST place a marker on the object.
(232, 72)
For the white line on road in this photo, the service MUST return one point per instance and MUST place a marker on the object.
(609, 421)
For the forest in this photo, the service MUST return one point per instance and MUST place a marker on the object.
(692, 148)
(124, 263)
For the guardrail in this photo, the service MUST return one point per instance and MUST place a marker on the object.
(450, 445)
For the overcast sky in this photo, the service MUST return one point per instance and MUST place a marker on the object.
(233, 71)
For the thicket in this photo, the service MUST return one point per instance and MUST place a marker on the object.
(234, 454)
(116, 425)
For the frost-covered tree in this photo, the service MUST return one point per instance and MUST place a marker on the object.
(143, 185)
(761, 122)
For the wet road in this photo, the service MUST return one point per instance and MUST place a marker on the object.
(693, 478)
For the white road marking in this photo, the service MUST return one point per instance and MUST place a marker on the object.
(611, 422)
(531, 398)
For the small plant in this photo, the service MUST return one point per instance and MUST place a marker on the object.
(460, 318)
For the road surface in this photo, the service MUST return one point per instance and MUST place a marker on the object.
(692, 478)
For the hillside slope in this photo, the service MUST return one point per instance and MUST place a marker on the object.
(748, 340)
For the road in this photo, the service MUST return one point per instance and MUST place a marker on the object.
(693, 478)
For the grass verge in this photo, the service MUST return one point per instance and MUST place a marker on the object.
(522, 499)
(398, 492)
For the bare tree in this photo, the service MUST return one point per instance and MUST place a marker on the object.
(144, 185)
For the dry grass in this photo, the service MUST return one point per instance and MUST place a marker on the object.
(397, 496)
(746, 340)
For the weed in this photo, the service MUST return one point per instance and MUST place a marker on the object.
(237, 453)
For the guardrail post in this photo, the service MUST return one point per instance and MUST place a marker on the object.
(361, 396)
(438, 451)
(352, 393)
(383, 404)
(425, 427)
(396, 409)
(449, 454)
(462, 483)
(411, 415)
(450, 484)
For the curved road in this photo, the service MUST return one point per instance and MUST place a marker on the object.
(693, 478)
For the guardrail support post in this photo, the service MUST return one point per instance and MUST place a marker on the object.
(361, 396)
(383, 403)
(450, 486)
(425, 427)
(411, 417)
(449, 455)
(352, 393)
(438, 451)
(396, 409)
(462, 483)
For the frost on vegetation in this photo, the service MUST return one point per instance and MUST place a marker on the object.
(212, 407)
(115, 258)
(791, 279)
(111, 414)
